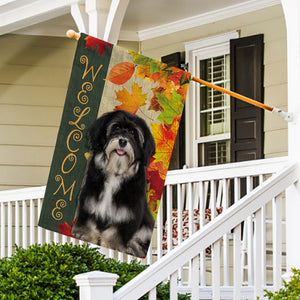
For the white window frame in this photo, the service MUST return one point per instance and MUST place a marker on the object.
(196, 51)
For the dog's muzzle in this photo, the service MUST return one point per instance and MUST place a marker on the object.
(122, 147)
(122, 144)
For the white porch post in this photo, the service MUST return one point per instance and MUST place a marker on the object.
(292, 18)
(100, 18)
(96, 285)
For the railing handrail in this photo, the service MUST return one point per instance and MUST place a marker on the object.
(210, 233)
(230, 170)
(247, 168)
(22, 194)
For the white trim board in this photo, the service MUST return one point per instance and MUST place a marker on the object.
(206, 18)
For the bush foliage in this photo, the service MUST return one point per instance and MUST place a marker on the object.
(47, 271)
(290, 291)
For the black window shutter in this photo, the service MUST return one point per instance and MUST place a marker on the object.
(178, 156)
(246, 77)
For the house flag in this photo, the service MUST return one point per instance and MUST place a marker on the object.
(114, 145)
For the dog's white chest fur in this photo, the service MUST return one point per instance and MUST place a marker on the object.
(104, 207)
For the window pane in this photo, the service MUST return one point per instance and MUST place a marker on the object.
(214, 105)
(214, 153)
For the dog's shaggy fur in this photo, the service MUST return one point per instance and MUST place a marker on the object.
(112, 205)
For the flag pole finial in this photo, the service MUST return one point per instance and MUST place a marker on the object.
(73, 34)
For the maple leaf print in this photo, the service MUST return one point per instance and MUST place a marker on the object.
(164, 137)
(143, 71)
(131, 102)
(171, 108)
(121, 73)
(65, 228)
(94, 43)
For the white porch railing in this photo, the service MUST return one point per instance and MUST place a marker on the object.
(213, 234)
(188, 192)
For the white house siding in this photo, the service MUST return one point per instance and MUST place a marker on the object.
(270, 22)
(33, 80)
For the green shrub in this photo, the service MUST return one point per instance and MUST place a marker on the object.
(46, 272)
(290, 291)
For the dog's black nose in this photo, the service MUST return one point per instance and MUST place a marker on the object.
(122, 143)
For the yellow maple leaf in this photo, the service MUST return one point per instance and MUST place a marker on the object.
(164, 137)
(131, 102)
(143, 71)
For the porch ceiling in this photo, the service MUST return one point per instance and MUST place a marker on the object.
(143, 19)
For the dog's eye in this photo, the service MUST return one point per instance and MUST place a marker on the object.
(131, 131)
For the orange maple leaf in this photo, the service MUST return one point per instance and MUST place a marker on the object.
(164, 137)
(131, 102)
(121, 73)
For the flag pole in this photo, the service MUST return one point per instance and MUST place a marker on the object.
(287, 116)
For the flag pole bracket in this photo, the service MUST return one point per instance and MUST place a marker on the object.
(285, 115)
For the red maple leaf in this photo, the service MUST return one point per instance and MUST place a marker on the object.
(176, 77)
(65, 228)
(156, 182)
(94, 43)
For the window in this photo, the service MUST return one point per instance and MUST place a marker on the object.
(208, 110)
(214, 112)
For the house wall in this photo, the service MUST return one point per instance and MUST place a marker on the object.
(271, 23)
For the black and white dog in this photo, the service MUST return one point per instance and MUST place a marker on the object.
(112, 205)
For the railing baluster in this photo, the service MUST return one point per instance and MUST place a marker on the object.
(55, 237)
(110, 253)
(191, 221)
(17, 223)
(237, 276)
(64, 239)
(2, 225)
(190, 208)
(225, 204)
(277, 241)
(48, 240)
(212, 200)
(152, 294)
(24, 224)
(216, 270)
(169, 217)
(194, 282)
(9, 229)
(149, 255)
(179, 228)
(249, 230)
(173, 286)
(159, 229)
(258, 287)
(40, 230)
(32, 222)
(263, 240)
(202, 222)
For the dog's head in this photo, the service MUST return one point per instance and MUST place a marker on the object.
(120, 141)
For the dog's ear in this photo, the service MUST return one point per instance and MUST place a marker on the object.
(97, 133)
(149, 145)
